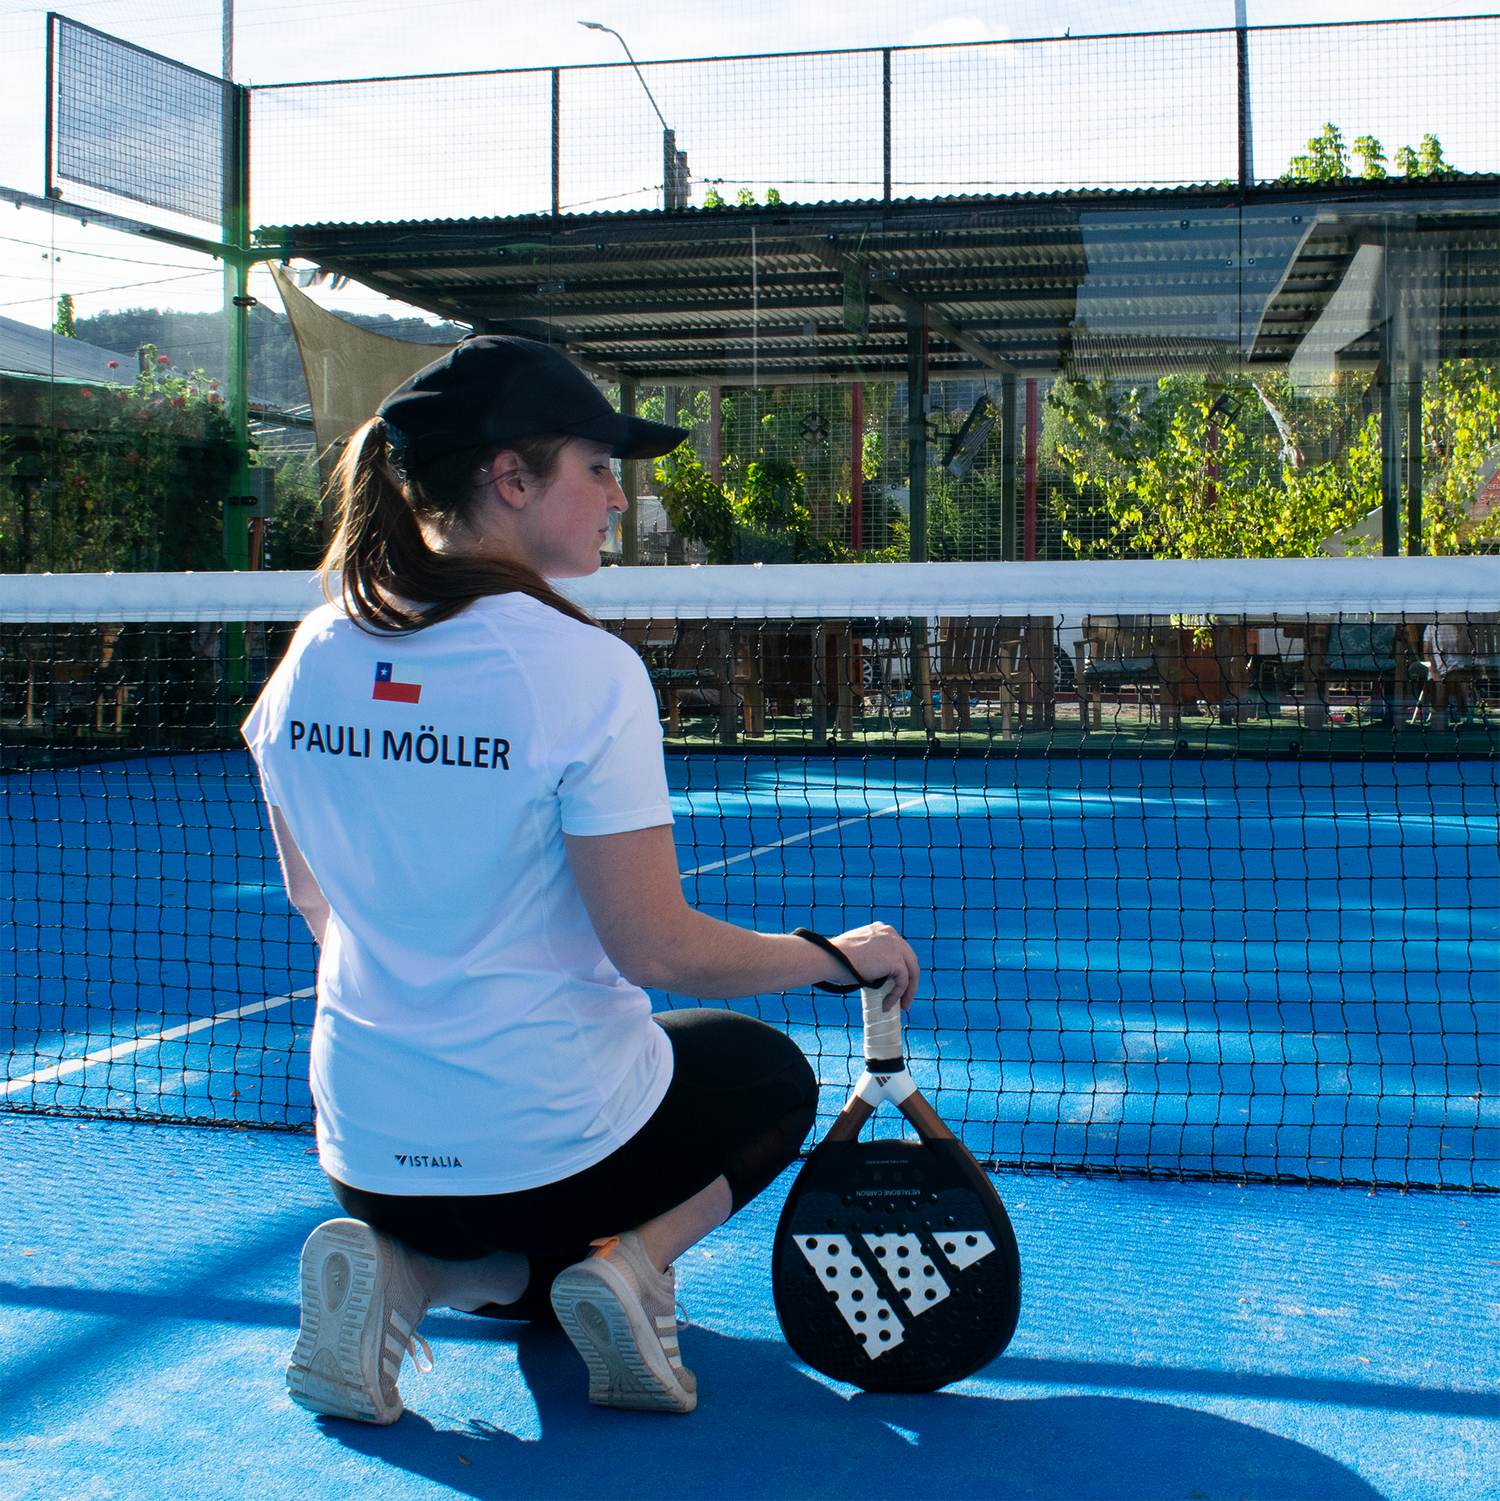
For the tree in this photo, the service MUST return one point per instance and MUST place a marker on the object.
(1372, 154)
(1324, 160)
(64, 325)
(1197, 468)
(1426, 161)
(123, 479)
(1235, 467)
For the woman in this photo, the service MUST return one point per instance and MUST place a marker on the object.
(466, 785)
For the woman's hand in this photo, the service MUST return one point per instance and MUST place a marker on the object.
(877, 950)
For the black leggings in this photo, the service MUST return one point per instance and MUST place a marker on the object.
(740, 1105)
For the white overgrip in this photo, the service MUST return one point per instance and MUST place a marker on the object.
(882, 1026)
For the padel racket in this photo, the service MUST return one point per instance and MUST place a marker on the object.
(895, 1267)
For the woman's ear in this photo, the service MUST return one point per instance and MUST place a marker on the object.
(512, 484)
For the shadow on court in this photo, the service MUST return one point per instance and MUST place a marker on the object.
(765, 1428)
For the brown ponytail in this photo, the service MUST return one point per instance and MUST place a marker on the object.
(393, 582)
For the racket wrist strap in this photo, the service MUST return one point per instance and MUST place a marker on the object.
(860, 982)
(877, 1089)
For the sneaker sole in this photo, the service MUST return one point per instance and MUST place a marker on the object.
(340, 1263)
(627, 1366)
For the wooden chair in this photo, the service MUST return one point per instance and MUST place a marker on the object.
(677, 656)
(1121, 652)
(976, 653)
(1354, 654)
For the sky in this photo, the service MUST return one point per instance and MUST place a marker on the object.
(279, 41)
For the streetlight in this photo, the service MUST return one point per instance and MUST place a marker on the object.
(674, 162)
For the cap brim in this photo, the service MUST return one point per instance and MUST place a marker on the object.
(630, 437)
(647, 440)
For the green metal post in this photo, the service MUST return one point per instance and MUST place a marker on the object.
(916, 456)
(630, 483)
(1009, 550)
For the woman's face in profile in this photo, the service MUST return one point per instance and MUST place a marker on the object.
(560, 527)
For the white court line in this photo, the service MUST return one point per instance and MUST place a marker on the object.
(136, 1044)
(762, 849)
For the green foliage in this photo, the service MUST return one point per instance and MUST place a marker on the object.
(1183, 472)
(297, 538)
(759, 515)
(697, 508)
(64, 325)
(744, 198)
(773, 197)
(713, 199)
(1323, 161)
(191, 340)
(1460, 429)
(1198, 468)
(1426, 161)
(1372, 154)
(121, 478)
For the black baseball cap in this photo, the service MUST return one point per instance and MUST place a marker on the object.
(494, 389)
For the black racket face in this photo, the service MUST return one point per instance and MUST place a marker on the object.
(895, 1267)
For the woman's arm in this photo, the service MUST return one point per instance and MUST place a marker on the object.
(301, 884)
(633, 892)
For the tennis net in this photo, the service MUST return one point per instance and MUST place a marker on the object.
(1200, 859)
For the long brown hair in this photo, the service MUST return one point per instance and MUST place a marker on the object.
(393, 582)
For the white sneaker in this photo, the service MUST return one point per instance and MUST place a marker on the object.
(361, 1305)
(621, 1314)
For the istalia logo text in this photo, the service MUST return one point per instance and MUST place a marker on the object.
(403, 689)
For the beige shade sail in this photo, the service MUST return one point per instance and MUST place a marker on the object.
(349, 370)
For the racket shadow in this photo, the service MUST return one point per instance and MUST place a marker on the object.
(766, 1428)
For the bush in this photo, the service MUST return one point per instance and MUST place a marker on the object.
(119, 478)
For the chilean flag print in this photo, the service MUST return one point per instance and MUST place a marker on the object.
(397, 685)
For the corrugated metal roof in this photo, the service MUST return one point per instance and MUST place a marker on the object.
(25, 350)
(1139, 282)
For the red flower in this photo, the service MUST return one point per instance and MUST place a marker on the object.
(86, 393)
(114, 364)
(179, 401)
(133, 456)
(161, 359)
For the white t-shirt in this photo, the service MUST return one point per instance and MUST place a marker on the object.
(472, 1036)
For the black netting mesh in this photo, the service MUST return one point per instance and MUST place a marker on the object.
(1209, 896)
(135, 124)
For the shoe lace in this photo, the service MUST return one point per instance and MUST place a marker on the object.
(413, 1340)
(683, 1321)
(606, 1244)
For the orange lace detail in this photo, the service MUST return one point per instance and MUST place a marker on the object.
(606, 1244)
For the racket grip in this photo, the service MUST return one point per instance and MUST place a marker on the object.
(882, 1027)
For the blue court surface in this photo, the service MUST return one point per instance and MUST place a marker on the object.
(1279, 969)
(1205, 1341)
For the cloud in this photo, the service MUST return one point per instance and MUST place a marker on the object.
(959, 29)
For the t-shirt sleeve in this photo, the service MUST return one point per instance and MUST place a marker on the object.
(258, 731)
(613, 778)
